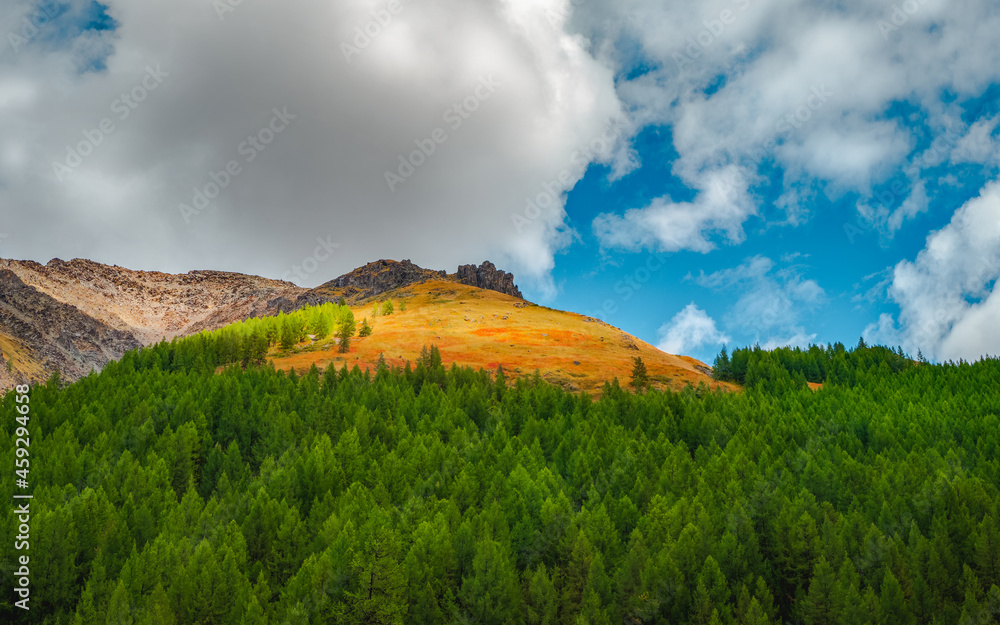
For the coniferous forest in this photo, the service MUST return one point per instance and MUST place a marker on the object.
(169, 491)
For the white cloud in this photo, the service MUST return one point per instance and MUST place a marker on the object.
(978, 145)
(772, 59)
(690, 329)
(798, 339)
(323, 174)
(770, 300)
(947, 296)
(670, 226)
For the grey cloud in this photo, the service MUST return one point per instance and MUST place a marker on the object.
(206, 129)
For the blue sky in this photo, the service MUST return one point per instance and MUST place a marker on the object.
(726, 171)
(846, 257)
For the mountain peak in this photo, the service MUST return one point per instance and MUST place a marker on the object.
(386, 275)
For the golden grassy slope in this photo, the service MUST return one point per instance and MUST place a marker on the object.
(21, 359)
(484, 329)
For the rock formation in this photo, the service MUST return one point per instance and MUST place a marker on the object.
(487, 276)
(383, 276)
(371, 280)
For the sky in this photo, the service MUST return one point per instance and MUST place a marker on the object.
(699, 174)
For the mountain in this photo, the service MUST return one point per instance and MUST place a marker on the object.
(77, 316)
(482, 328)
(39, 333)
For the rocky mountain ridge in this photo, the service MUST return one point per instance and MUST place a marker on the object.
(383, 276)
(55, 335)
(78, 315)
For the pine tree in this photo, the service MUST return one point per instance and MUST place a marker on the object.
(500, 383)
(489, 594)
(377, 590)
(366, 330)
(892, 606)
(345, 331)
(322, 326)
(287, 337)
(640, 377)
(120, 607)
(722, 370)
(817, 607)
(542, 599)
(156, 609)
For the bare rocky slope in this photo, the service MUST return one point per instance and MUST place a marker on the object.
(151, 305)
(77, 316)
(39, 334)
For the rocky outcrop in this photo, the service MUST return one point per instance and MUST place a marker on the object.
(383, 276)
(370, 281)
(487, 276)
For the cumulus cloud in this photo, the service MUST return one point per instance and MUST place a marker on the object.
(798, 339)
(671, 226)
(979, 144)
(469, 107)
(690, 329)
(771, 300)
(812, 90)
(947, 296)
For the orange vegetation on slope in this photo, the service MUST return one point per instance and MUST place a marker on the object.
(484, 329)
(18, 365)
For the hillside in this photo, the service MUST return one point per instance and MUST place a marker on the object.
(39, 334)
(151, 305)
(486, 329)
(79, 315)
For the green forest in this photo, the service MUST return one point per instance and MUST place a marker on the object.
(167, 491)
